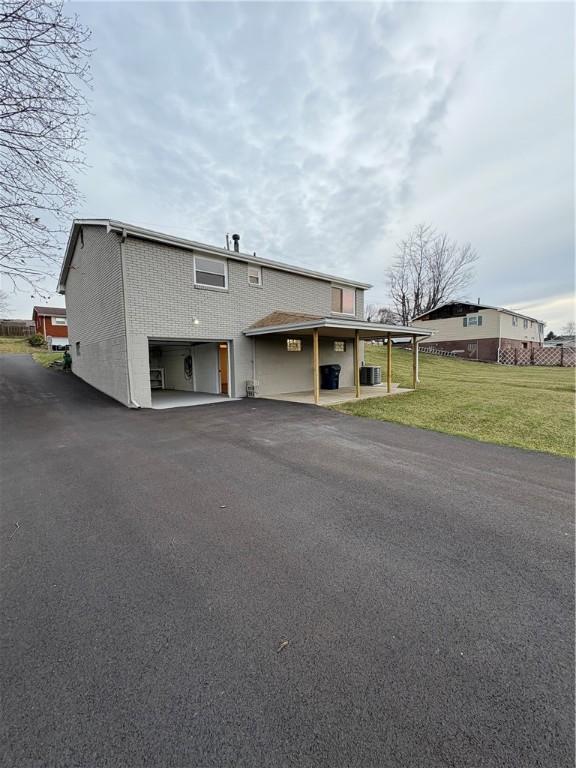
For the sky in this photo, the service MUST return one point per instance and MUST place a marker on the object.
(324, 132)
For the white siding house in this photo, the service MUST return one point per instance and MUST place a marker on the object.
(478, 331)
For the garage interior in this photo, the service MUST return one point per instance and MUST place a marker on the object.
(186, 372)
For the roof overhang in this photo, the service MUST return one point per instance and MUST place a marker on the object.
(131, 230)
(48, 312)
(479, 308)
(328, 326)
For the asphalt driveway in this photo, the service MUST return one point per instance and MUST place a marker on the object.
(154, 562)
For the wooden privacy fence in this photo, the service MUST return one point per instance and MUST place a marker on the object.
(16, 329)
(560, 356)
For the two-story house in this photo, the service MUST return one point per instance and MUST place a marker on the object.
(51, 323)
(479, 331)
(151, 313)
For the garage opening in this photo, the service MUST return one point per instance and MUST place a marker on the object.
(185, 372)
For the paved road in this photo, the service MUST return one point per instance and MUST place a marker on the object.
(424, 584)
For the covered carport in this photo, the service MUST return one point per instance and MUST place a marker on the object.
(310, 333)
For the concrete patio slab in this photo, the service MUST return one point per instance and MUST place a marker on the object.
(342, 395)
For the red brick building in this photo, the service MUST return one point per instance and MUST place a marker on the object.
(51, 323)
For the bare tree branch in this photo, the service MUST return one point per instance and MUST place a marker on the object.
(376, 313)
(429, 269)
(44, 76)
(4, 302)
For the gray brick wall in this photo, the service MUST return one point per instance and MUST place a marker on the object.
(95, 313)
(162, 302)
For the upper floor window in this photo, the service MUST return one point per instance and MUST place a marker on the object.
(514, 320)
(525, 323)
(254, 275)
(343, 300)
(210, 272)
(58, 320)
(472, 320)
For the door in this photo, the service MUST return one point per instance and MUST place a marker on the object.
(223, 367)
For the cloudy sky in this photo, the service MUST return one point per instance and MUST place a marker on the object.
(323, 132)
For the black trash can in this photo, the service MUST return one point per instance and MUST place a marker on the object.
(330, 376)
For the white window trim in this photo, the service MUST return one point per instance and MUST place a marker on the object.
(343, 288)
(217, 261)
(58, 321)
(258, 268)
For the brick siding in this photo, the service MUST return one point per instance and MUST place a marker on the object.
(95, 313)
(163, 303)
(479, 349)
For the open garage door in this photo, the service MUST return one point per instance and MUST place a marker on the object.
(185, 372)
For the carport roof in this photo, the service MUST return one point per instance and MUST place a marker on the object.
(292, 322)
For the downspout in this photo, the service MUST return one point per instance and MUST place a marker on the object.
(499, 336)
(132, 402)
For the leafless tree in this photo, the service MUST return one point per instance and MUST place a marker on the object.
(377, 313)
(4, 301)
(429, 269)
(569, 329)
(44, 75)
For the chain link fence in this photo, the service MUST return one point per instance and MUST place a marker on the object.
(560, 356)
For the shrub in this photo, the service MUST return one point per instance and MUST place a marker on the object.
(37, 340)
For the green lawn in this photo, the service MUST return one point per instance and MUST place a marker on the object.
(529, 408)
(16, 346)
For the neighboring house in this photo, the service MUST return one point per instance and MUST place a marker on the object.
(51, 323)
(478, 331)
(149, 311)
(561, 341)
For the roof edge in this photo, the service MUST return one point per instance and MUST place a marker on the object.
(328, 322)
(179, 242)
(480, 306)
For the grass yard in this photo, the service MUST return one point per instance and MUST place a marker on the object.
(530, 408)
(18, 346)
(14, 346)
